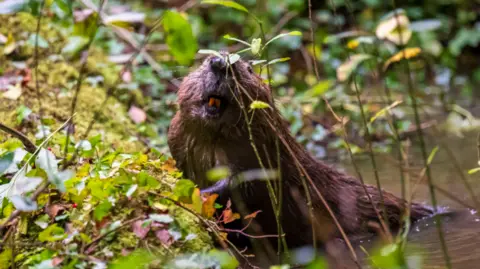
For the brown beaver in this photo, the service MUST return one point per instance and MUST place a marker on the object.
(216, 127)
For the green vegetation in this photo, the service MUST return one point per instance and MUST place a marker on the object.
(93, 88)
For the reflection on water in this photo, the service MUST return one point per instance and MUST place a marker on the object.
(461, 229)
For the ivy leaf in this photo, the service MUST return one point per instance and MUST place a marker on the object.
(52, 233)
(259, 105)
(180, 39)
(231, 4)
(102, 210)
(184, 188)
(23, 203)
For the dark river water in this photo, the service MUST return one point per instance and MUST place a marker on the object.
(462, 229)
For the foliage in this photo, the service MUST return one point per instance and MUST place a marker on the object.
(118, 196)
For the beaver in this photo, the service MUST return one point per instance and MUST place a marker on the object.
(216, 126)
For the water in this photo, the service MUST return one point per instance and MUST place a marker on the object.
(462, 230)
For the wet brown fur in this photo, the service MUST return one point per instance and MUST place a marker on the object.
(199, 143)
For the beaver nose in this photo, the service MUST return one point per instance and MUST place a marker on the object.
(218, 64)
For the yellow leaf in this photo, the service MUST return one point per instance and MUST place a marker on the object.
(208, 206)
(391, 27)
(10, 45)
(406, 53)
(353, 44)
(196, 201)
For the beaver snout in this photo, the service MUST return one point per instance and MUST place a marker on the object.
(218, 65)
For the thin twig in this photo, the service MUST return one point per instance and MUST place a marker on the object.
(29, 145)
(84, 58)
(411, 93)
(102, 236)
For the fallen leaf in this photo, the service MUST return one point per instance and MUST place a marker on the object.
(139, 230)
(137, 114)
(53, 210)
(169, 165)
(57, 260)
(13, 93)
(10, 45)
(164, 237)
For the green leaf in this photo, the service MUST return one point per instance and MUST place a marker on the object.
(87, 27)
(292, 33)
(346, 69)
(74, 45)
(384, 110)
(6, 258)
(425, 25)
(213, 52)
(24, 204)
(137, 259)
(226, 4)
(184, 188)
(180, 39)
(52, 233)
(146, 180)
(232, 58)
(256, 45)
(42, 43)
(5, 161)
(259, 105)
(218, 173)
(238, 40)
(255, 62)
(102, 210)
(474, 170)
(162, 218)
(279, 60)
(125, 19)
(432, 155)
(12, 6)
(22, 113)
(226, 260)
(319, 89)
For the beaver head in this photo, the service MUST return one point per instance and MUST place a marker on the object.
(217, 91)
